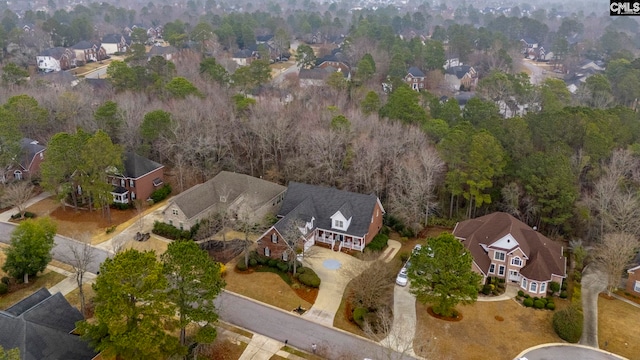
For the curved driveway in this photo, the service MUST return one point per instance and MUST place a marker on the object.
(567, 352)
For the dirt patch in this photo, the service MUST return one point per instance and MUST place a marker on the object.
(223, 348)
(71, 222)
(225, 251)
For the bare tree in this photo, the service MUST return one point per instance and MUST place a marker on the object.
(372, 280)
(81, 256)
(118, 243)
(293, 236)
(614, 253)
(17, 194)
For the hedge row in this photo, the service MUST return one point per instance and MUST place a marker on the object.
(161, 193)
(378, 243)
(170, 231)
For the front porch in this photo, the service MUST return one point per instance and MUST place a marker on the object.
(337, 241)
(120, 195)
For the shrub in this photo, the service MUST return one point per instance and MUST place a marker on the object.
(121, 206)
(486, 289)
(444, 222)
(110, 229)
(6, 280)
(241, 266)
(550, 306)
(576, 296)
(544, 300)
(170, 232)
(528, 302)
(407, 232)
(520, 293)
(538, 304)
(527, 296)
(272, 263)
(309, 279)
(282, 266)
(577, 276)
(563, 294)
(161, 193)
(554, 287)
(385, 230)
(378, 243)
(564, 285)
(27, 215)
(358, 315)
(4, 288)
(404, 256)
(253, 262)
(567, 323)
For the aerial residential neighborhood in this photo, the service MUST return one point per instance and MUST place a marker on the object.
(313, 180)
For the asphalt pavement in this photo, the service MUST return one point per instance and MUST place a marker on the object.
(567, 352)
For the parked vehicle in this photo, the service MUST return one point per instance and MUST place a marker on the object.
(402, 278)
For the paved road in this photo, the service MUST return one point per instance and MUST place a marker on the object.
(61, 251)
(280, 325)
(568, 352)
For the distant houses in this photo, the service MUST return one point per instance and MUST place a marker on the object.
(416, 79)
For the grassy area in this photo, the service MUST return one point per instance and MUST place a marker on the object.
(618, 329)
(74, 299)
(341, 320)
(265, 287)
(47, 280)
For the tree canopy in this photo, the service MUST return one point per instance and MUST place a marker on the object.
(29, 251)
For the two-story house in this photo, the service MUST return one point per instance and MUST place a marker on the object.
(416, 79)
(463, 78)
(114, 43)
(505, 247)
(339, 219)
(56, 59)
(240, 196)
(138, 180)
(89, 51)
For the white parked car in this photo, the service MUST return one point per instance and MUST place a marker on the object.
(402, 278)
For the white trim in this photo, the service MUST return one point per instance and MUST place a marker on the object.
(636, 286)
(543, 287)
(630, 271)
(496, 252)
(533, 287)
(519, 259)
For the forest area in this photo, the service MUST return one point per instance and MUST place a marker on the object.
(565, 163)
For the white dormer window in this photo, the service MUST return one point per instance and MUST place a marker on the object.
(516, 261)
(338, 224)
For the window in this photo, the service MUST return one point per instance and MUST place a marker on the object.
(498, 255)
(171, 222)
(267, 252)
(122, 182)
(543, 288)
(285, 256)
(516, 261)
(524, 283)
(533, 287)
(492, 269)
(17, 175)
(132, 183)
(501, 270)
(41, 156)
(181, 226)
(174, 212)
(338, 223)
(636, 286)
(274, 238)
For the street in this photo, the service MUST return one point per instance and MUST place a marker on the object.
(61, 250)
(300, 333)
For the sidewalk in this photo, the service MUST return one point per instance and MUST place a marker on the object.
(69, 284)
(6, 216)
(510, 292)
(625, 300)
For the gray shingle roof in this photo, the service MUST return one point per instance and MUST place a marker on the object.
(40, 326)
(415, 72)
(303, 201)
(458, 71)
(29, 148)
(136, 166)
(230, 185)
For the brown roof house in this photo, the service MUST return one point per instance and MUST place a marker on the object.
(242, 196)
(338, 218)
(505, 247)
(41, 326)
(139, 179)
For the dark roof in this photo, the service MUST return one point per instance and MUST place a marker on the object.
(56, 77)
(458, 71)
(161, 50)
(303, 201)
(243, 54)
(335, 56)
(314, 74)
(85, 44)
(136, 166)
(528, 40)
(29, 148)
(264, 38)
(98, 84)
(55, 52)
(415, 72)
(230, 185)
(112, 38)
(544, 255)
(40, 327)
(464, 96)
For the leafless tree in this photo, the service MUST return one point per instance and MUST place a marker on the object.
(372, 280)
(293, 236)
(81, 256)
(118, 243)
(17, 194)
(614, 253)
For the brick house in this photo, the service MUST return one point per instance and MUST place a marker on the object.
(633, 282)
(416, 79)
(505, 247)
(337, 218)
(139, 179)
(241, 196)
(461, 78)
(27, 165)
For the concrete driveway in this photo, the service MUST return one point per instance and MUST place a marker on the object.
(567, 352)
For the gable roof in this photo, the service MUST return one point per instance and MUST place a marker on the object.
(303, 201)
(40, 327)
(30, 148)
(459, 71)
(112, 39)
(55, 52)
(415, 72)
(544, 255)
(136, 166)
(85, 44)
(227, 184)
